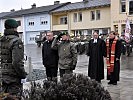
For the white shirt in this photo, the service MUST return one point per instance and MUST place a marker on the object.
(95, 41)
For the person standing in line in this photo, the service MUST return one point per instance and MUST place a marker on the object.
(113, 45)
(96, 52)
(11, 60)
(67, 53)
(50, 57)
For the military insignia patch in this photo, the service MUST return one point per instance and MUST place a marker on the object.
(20, 46)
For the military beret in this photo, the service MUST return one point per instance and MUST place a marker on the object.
(11, 23)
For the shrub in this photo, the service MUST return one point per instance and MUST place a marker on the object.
(70, 87)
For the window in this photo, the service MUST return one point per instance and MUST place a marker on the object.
(97, 14)
(32, 38)
(75, 17)
(63, 20)
(89, 32)
(105, 31)
(96, 31)
(31, 22)
(19, 23)
(131, 7)
(123, 29)
(79, 16)
(123, 6)
(43, 21)
(92, 15)
(80, 32)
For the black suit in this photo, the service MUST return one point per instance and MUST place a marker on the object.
(50, 59)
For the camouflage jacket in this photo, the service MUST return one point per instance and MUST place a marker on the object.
(67, 53)
(11, 57)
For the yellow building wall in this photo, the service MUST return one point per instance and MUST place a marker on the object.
(104, 22)
(118, 18)
(86, 19)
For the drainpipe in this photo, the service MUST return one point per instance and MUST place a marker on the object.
(69, 23)
(23, 30)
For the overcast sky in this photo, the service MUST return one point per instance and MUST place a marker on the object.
(7, 5)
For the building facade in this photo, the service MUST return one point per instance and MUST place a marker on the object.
(83, 18)
(32, 21)
(120, 11)
(79, 19)
(34, 25)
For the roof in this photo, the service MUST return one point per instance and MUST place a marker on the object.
(4, 13)
(84, 5)
(43, 9)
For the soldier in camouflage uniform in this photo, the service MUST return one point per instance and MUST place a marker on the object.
(11, 59)
(67, 53)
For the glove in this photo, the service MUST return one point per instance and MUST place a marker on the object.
(59, 36)
(72, 67)
(117, 59)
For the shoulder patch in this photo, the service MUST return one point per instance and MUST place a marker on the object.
(20, 46)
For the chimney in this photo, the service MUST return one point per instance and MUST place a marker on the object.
(12, 10)
(33, 6)
(56, 2)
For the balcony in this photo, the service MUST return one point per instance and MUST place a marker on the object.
(60, 27)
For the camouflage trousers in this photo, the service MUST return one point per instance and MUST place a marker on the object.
(14, 89)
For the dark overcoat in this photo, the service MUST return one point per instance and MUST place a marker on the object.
(96, 53)
(115, 74)
(49, 56)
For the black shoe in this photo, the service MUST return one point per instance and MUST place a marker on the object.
(128, 55)
(115, 83)
(99, 81)
(110, 82)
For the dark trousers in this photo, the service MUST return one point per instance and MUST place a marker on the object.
(14, 89)
(65, 71)
(51, 72)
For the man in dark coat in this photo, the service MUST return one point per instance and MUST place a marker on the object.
(50, 57)
(11, 59)
(113, 45)
(97, 52)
